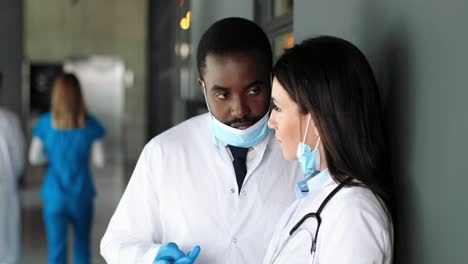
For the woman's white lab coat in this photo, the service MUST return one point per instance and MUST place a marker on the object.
(355, 228)
(11, 166)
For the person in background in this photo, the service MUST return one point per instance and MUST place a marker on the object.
(67, 139)
(216, 180)
(326, 113)
(12, 162)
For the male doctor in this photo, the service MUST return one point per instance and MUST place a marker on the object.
(217, 181)
(12, 162)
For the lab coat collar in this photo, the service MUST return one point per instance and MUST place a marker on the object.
(319, 181)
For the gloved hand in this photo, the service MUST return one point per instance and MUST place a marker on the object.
(171, 254)
(168, 254)
(190, 258)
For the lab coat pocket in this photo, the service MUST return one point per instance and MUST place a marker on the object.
(295, 250)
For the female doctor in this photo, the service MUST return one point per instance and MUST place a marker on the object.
(326, 112)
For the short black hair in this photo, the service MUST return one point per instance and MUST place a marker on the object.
(233, 35)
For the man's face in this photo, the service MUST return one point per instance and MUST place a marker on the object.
(237, 88)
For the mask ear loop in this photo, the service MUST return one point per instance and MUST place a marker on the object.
(307, 129)
(206, 100)
(305, 135)
(318, 142)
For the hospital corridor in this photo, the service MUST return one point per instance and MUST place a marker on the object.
(233, 131)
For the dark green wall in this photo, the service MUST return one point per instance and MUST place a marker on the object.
(11, 51)
(419, 51)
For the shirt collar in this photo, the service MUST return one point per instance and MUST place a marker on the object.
(318, 181)
(259, 148)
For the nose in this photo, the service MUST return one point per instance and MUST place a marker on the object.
(240, 108)
(271, 121)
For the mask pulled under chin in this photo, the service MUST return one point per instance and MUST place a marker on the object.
(308, 158)
(244, 138)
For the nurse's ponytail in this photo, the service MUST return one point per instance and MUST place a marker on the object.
(68, 107)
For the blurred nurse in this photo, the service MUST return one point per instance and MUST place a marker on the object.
(67, 139)
(11, 168)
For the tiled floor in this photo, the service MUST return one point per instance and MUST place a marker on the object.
(109, 185)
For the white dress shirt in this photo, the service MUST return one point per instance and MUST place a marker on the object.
(184, 190)
(355, 228)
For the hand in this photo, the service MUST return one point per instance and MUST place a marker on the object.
(171, 254)
(190, 258)
(168, 254)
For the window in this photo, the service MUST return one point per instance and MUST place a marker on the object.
(276, 18)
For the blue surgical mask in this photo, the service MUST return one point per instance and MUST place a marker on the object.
(308, 158)
(302, 186)
(244, 138)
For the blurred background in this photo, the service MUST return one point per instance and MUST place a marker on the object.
(136, 61)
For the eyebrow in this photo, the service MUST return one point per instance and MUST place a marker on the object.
(218, 88)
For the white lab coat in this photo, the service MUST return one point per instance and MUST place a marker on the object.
(355, 228)
(184, 190)
(11, 167)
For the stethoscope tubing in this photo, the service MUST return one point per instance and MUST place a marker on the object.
(296, 228)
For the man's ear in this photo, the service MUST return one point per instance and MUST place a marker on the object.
(201, 85)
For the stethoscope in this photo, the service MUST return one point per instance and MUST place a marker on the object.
(295, 230)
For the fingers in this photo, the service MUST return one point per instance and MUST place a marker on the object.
(170, 251)
(193, 254)
(162, 262)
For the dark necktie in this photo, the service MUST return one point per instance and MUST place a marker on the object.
(240, 155)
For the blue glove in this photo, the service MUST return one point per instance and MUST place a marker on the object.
(168, 254)
(190, 258)
(171, 254)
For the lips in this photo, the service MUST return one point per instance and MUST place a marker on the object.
(242, 125)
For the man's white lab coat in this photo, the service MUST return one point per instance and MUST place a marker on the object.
(184, 190)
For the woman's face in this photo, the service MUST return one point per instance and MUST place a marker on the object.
(289, 124)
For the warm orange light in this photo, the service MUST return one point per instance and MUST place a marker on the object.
(290, 41)
(184, 23)
(189, 16)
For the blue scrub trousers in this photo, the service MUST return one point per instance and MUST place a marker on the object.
(58, 213)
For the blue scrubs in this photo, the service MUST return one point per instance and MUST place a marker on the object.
(68, 190)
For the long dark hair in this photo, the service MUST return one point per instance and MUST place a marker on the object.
(331, 79)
